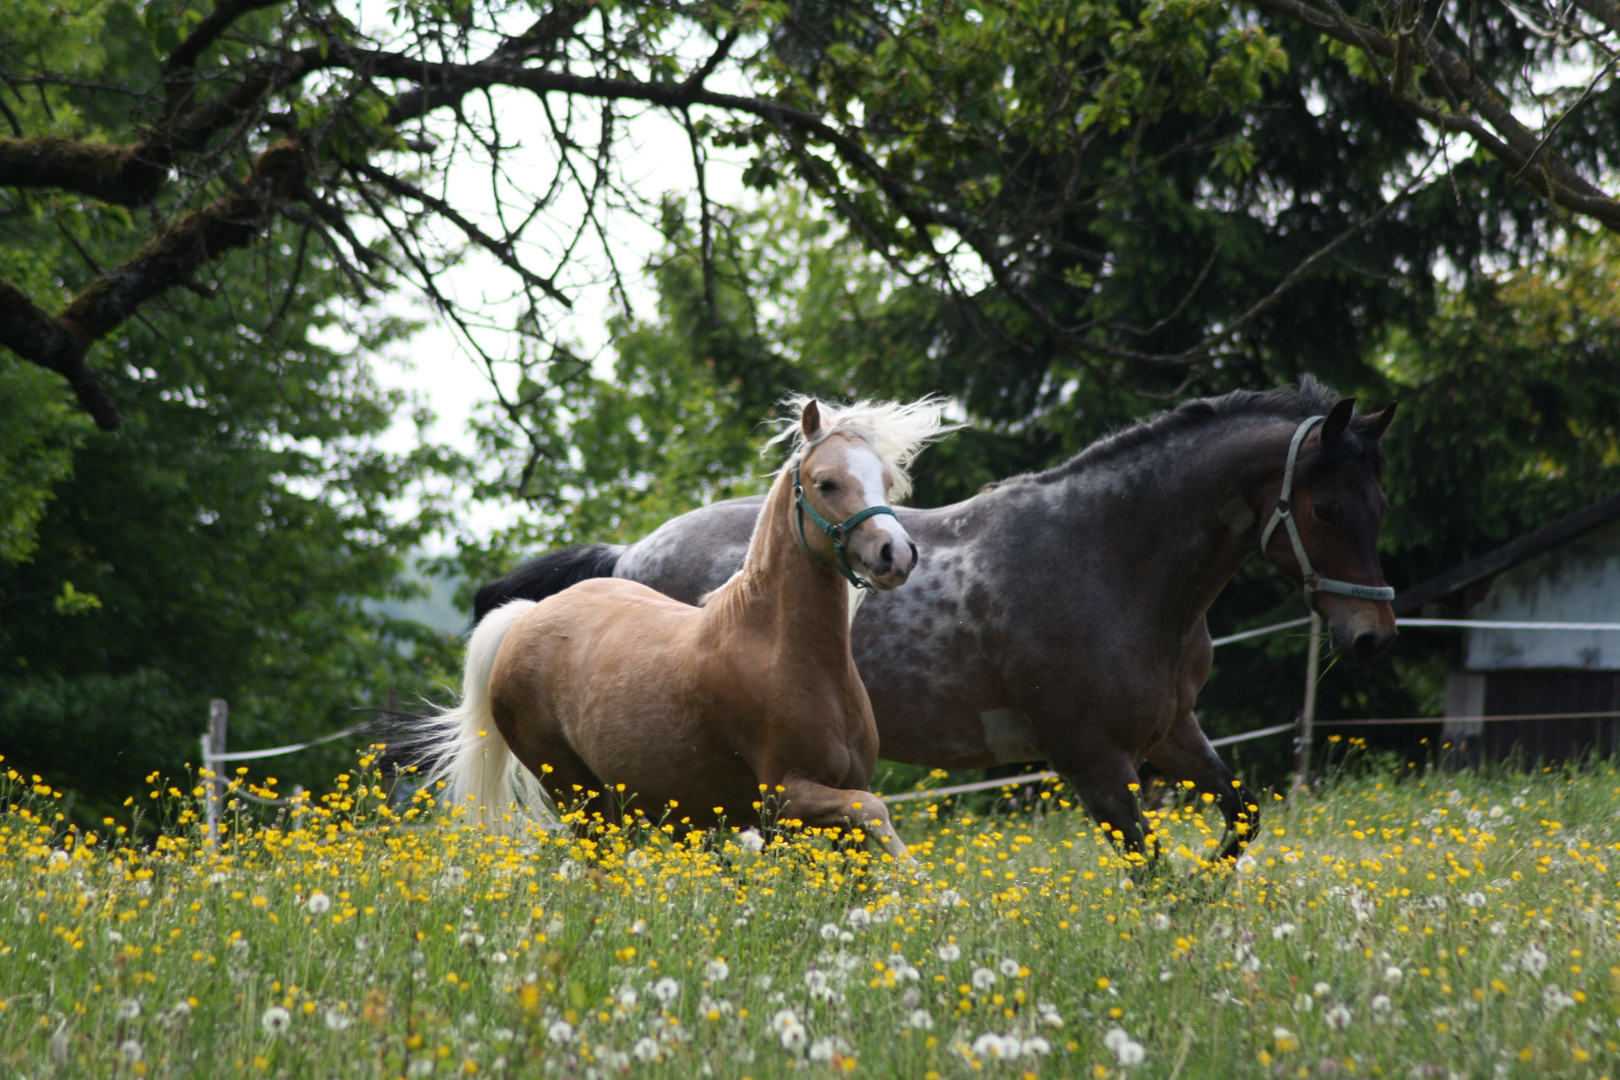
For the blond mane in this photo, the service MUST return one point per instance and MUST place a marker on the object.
(897, 431)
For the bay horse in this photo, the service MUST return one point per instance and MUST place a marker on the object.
(1060, 615)
(750, 697)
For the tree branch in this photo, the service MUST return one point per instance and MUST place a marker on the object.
(1606, 12)
(123, 175)
(30, 332)
(1513, 143)
(168, 259)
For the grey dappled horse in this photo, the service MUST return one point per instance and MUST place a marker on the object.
(1060, 615)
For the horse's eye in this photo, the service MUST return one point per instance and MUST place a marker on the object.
(1326, 513)
(826, 485)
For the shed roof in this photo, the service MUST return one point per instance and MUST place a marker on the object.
(1510, 554)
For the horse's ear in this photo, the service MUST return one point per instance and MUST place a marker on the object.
(810, 419)
(1338, 420)
(1378, 422)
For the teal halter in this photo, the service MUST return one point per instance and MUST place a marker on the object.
(838, 533)
(1311, 581)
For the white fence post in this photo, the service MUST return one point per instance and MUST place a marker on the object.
(1307, 716)
(213, 745)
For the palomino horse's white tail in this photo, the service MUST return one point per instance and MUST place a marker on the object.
(462, 746)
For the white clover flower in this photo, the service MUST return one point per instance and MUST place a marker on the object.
(982, 978)
(815, 980)
(454, 877)
(1036, 1046)
(858, 917)
(1282, 931)
(1392, 974)
(666, 990)
(275, 1020)
(422, 1066)
(1337, 1018)
(627, 996)
(1379, 1003)
(829, 931)
(904, 972)
(949, 898)
(1475, 900)
(319, 903)
(996, 1047)
(129, 1009)
(143, 888)
(1555, 1000)
(1049, 1014)
(1304, 1003)
(560, 1031)
(645, 1051)
(216, 878)
(498, 957)
(1533, 960)
(503, 1035)
(337, 1020)
(751, 842)
(131, 1050)
(181, 1008)
(1165, 975)
(1321, 989)
(717, 970)
(1161, 921)
(1010, 967)
(112, 935)
(637, 927)
(920, 1020)
(949, 952)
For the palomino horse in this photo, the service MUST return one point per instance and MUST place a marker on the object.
(1060, 615)
(610, 685)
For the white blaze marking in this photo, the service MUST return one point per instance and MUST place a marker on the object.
(862, 463)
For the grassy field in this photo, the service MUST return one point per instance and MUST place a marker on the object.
(1418, 924)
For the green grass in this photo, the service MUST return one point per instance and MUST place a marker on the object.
(1426, 925)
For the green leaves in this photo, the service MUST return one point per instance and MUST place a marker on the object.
(167, 23)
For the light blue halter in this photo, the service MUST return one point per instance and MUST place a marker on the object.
(1284, 514)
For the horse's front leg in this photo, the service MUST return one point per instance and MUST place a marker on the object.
(818, 805)
(1185, 754)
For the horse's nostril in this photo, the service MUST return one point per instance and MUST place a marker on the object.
(1366, 645)
(886, 555)
(913, 555)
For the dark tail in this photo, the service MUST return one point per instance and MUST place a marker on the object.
(547, 575)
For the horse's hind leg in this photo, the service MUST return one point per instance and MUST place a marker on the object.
(568, 782)
(1185, 754)
(829, 807)
(1108, 786)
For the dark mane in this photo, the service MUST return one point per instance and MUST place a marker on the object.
(1309, 398)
